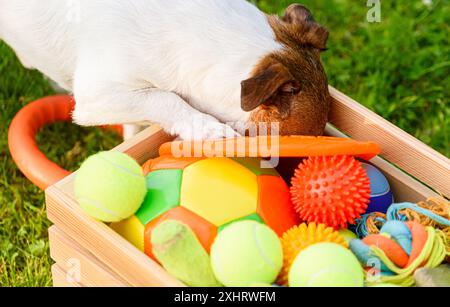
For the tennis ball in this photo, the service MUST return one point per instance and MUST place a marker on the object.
(347, 235)
(110, 186)
(246, 253)
(326, 265)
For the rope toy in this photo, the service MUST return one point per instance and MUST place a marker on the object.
(369, 223)
(300, 237)
(396, 266)
(434, 212)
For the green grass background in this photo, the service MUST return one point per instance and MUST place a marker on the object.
(399, 68)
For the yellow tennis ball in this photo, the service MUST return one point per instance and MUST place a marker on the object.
(110, 186)
(326, 265)
(347, 235)
(246, 253)
(299, 238)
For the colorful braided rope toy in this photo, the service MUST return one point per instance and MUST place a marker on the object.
(401, 247)
(300, 237)
(332, 190)
(433, 212)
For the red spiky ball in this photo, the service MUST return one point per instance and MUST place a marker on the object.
(330, 190)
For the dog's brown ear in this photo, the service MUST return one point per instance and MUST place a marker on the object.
(317, 36)
(302, 18)
(298, 14)
(258, 90)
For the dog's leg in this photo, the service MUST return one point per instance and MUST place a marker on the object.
(127, 106)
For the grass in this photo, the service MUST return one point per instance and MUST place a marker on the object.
(400, 68)
(24, 252)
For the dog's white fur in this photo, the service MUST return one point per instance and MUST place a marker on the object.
(170, 62)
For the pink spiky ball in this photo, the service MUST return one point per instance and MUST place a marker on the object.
(330, 190)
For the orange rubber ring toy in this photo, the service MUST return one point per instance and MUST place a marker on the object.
(22, 138)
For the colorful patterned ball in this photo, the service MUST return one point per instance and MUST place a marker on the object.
(209, 194)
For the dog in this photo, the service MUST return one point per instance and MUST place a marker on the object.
(201, 69)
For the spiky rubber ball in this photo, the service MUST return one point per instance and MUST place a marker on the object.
(300, 237)
(330, 190)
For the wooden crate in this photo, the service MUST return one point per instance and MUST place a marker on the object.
(103, 258)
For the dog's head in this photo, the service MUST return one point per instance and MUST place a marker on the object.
(290, 86)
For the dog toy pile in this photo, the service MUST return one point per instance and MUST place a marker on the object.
(208, 195)
(232, 222)
(400, 249)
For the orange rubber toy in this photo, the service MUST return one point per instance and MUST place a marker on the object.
(331, 190)
(22, 138)
(282, 146)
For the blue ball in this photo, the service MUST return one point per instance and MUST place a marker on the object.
(381, 196)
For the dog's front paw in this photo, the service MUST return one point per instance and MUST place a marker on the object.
(216, 130)
(203, 128)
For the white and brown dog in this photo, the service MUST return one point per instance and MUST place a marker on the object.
(214, 64)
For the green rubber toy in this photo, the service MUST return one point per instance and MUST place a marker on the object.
(433, 277)
(178, 250)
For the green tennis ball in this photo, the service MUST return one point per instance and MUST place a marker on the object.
(326, 265)
(348, 235)
(246, 253)
(110, 186)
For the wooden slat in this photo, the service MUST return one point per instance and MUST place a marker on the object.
(110, 248)
(60, 278)
(404, 187)
(398, 147)
(142, 146)
(67, 253)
